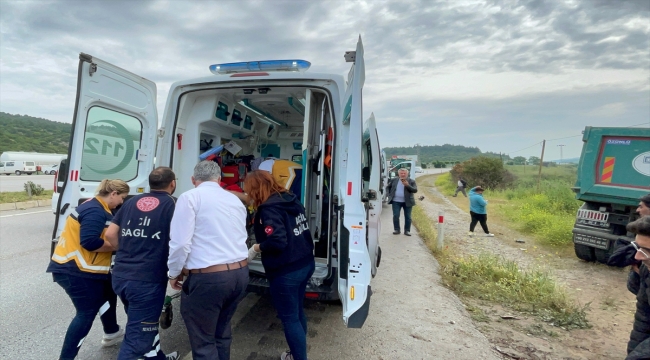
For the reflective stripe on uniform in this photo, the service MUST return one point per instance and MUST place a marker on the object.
(155, 347)
(104, 308)
(80, 260)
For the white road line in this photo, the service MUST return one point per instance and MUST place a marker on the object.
(36, 212)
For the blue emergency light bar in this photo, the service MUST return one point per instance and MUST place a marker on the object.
(266, 65)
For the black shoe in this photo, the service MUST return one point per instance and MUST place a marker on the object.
(407, 233)
(396, 232)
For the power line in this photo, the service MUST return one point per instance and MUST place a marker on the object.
(562, 138)
(568, 137)
(645, 123)
(514, 152)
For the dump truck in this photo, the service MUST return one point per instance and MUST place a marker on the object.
(613, 173)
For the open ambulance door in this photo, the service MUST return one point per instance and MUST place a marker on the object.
(354, 270)
(113, 134)
(372, 180)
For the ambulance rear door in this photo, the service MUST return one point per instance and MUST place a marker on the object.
(354, 271)
(372, 186)
(113, 134)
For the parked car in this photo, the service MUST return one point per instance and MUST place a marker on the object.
(17, 167)
(49, 169)
(418, 170)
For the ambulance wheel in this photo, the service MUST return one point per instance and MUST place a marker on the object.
(584, 252)
(18, 172)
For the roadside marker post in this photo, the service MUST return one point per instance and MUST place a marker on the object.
(441, 230)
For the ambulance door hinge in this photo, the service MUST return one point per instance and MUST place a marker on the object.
(92, 69)
(161, 132)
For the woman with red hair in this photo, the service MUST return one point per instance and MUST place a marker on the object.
(287, 248)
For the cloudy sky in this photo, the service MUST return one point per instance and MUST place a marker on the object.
(500, 75)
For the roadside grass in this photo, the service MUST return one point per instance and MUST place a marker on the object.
(492, 278)
(548, 214)
(19, 196)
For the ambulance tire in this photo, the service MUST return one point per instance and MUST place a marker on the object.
(584, 252)
(18, 172)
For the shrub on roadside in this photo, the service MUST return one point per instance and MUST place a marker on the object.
(35, 188)
(484, 171)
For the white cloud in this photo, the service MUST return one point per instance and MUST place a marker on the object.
(500, 75)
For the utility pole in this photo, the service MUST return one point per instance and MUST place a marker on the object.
(561, 157)
(541, 161)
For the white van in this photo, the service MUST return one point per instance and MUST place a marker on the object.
(17, 167)
(265, 107)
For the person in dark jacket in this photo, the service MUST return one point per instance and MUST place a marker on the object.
(140, 233)
(285, 242)
(400, 196)
(462, 185)
(639, 345)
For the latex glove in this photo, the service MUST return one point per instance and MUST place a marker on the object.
(252, 253)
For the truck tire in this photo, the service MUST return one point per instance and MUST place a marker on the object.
(584, 252)
(18, 172)
(603, 255)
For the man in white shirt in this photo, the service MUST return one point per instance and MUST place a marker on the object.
(208, 238)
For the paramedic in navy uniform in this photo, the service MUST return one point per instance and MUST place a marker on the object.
(81, 264)
(140, 232)
(208, 238)
(283, 237)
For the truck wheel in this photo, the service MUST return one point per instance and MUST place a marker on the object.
(603, 255)
(18, 172)
(584, 252)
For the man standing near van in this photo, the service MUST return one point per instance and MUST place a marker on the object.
(208, 238)
(140, 232)
(400, 196)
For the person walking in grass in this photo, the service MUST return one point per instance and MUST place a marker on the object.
(477, 210)
(462, 185)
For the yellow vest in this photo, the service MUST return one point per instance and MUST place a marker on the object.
(69, 246)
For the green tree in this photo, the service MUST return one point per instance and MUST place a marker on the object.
(484, 171)
(519, 160)
(533, 160)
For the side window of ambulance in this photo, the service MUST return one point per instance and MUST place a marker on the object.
(110, 145)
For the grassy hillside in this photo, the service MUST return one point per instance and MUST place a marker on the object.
(548, 214)
(444, 153)
(26, 133)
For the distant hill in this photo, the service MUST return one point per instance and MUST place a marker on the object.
(444, 153)
(27, 133)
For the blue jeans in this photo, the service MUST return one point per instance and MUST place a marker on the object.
(143, 303)
(89, 296)
(288, 294)
(397, 206)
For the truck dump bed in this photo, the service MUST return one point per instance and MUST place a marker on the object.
(614, 166)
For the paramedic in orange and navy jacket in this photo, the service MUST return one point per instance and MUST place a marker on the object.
(81, 264)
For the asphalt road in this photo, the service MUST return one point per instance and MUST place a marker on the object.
(16, 183)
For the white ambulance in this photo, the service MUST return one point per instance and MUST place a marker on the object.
(265, 108)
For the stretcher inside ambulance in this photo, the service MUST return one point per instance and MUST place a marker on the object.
(311, 124)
